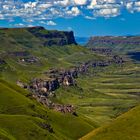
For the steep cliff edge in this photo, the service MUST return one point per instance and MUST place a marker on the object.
(47, 37)
(115, 42)
(53, 37)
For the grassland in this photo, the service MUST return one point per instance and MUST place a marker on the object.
(125, 127)
(101, 95)
(21, 118)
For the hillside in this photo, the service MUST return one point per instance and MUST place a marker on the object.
(125, 127)
(23, 118)
(23, 57)
(53, 88)
(47, 37)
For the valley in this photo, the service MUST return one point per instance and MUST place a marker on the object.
(53, 88)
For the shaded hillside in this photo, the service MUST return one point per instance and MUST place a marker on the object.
(122, 43)
(125, 127)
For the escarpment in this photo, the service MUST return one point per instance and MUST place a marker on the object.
(115, 42)
(53, 37)
(38, 36)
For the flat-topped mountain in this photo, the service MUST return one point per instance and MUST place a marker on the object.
(116, 42)
(47, 37)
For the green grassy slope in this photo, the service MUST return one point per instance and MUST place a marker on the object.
(21, 40)
(101, 95)
(21, 118)
(125, 127)
(14, 102)
(105, 94)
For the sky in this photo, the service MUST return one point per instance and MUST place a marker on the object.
(85, 17)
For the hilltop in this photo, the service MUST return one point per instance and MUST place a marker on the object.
(47, 37)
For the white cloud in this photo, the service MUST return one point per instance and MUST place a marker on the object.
(51, 23)
(37, 10)
(137, 3)
(44, 5)
(73, 12)
(129, 5)
(109, 1)
(89, 17)
(42, 22)
(92, 4)
(19, 25)
(62, 2)
(31, 4)
(133, 6)
(30, 25)
(80, 2)
(107, 12)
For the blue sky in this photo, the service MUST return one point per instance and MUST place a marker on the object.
(85, 17)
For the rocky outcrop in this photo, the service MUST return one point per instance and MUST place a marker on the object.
(105, 51)
(56, 78)
(2, 62)
(43, 89)
(116, 42)
(61, 77)
(47, 127)
(30, 59)
(63, 108)
(24, 56)
(53, 37)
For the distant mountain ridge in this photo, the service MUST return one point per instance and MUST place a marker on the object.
(116, 42)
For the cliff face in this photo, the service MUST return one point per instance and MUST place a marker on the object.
(53, 37)
(27, 36)
(119, 42)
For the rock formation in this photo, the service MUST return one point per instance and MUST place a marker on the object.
(54, 37)
(41, 36)
(2, 62)
(118, 42)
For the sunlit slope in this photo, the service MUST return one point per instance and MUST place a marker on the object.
(23, 118)
(18, 44)
(125, 127)
(104, 94)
